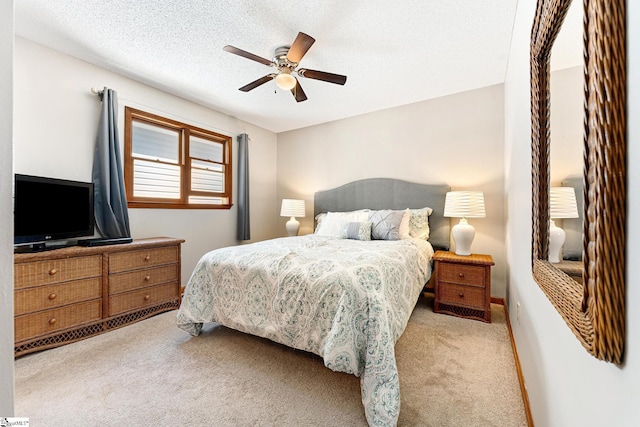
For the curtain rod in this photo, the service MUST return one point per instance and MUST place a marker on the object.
(97, 91)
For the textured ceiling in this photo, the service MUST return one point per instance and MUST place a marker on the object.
(393, 52)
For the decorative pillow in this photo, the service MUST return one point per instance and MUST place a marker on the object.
(419, 223)
(404, 224)
(385, 224)
(356, 230)
(331, 224)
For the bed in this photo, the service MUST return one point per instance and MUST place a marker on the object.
(345, 299)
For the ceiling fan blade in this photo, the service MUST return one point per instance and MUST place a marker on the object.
(298, 93)
(248, 55)
(256, 83)
(300, 46)
(321, 75)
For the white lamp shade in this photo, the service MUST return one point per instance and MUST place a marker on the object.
(292, 207)
(464, 204)
(562, 203)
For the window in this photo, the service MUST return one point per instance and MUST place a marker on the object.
(169, 164)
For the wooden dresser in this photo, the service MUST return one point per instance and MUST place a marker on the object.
(463, 285)
(68, 294)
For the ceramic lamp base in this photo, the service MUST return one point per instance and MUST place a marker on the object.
(463, 234)
(556, 241)
(293, 225)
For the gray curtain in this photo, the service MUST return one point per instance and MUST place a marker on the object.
(112, 218)
(244, 229)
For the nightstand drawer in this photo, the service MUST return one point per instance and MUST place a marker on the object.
(461, 295)
(461, 274)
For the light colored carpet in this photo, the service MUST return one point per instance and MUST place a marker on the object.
(453, 372)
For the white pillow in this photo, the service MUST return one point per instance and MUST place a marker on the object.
(404, 225)
(332, 223)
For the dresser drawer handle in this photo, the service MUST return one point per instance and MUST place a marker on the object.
(53, 296)
(147, 278)
(460, 274)
(52, 272)
(147, 258)
(461, 295)
(146, 297)
(53, 321)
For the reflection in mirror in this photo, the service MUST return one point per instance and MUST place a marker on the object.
(566, 139)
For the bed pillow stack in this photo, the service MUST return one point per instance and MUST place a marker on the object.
(366, 224)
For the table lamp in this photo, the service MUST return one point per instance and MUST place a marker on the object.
(292, 208)
(463, 205)
(562, 204)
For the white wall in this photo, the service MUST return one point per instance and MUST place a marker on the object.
(6, 209)
(457, 140)
(566, 385)
(56, 119)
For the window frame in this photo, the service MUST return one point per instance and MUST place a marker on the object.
(184, 162)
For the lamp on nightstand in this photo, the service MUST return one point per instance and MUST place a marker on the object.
(292, 208)
(463, 205)
(562, 204)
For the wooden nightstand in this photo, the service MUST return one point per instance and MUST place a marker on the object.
(463, 285)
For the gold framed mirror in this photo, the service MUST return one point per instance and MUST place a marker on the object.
(595, 308)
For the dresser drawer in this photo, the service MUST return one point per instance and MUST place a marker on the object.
(461, 295)
(123, 282)
(51, 296)
(462, 274)
(55, 271)
(133, 260)
(141, 298)
(45, 322)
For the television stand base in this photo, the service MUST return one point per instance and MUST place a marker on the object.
(104, 241)
(38, 247)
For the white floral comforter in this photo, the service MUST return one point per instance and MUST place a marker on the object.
(347, 301)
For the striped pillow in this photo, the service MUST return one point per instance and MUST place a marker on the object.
(355, 230)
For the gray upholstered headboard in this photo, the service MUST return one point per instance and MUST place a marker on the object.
(388, 193)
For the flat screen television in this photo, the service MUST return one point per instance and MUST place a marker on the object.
(50, 209)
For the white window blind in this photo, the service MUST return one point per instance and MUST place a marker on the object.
(155, 142)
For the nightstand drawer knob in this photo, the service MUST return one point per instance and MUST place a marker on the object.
(52, 272)
(146, 297)
(53, 296)
(53, 321)
(460, 274)
(147, 278)
(461, 295)
(147, 258)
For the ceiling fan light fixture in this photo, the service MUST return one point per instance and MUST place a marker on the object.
(285, 81)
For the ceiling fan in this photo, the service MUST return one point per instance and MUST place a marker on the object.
(285, 61)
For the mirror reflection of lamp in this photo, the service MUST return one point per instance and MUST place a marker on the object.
(292, 208)
(562, 204)
(463, 205)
